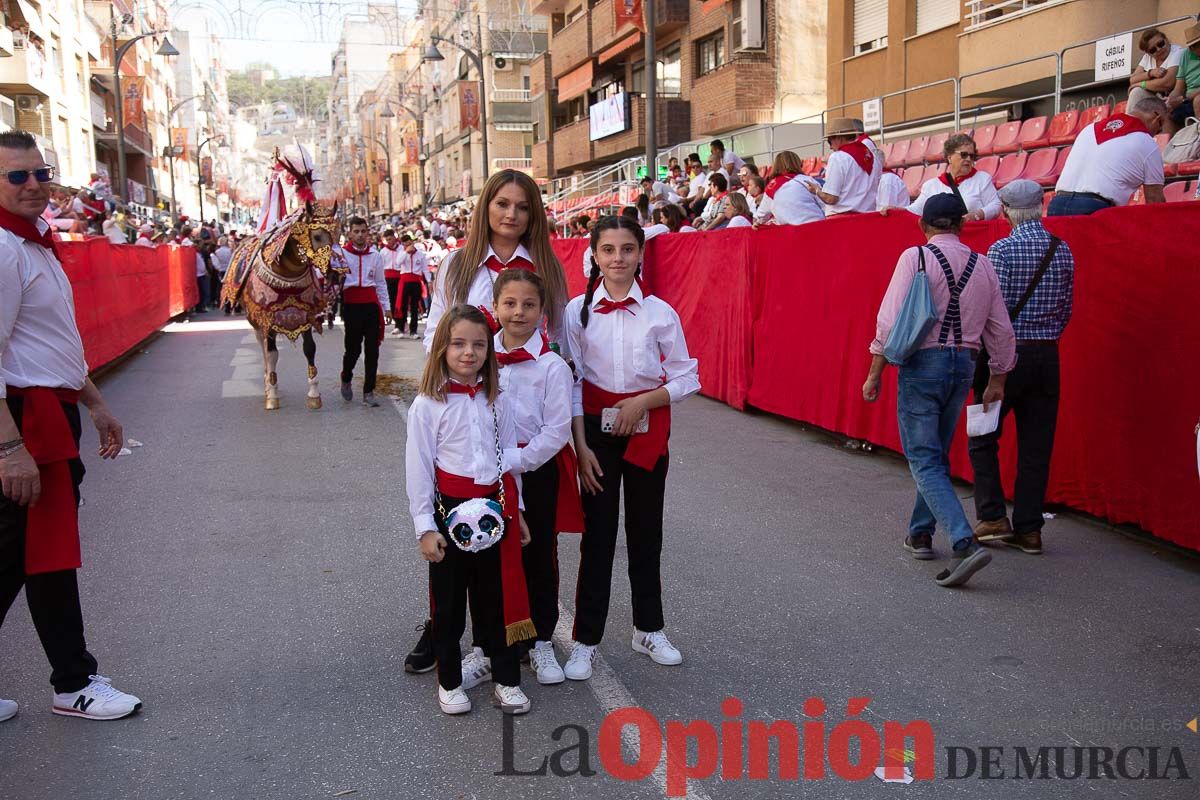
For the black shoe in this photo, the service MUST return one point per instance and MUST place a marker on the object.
(920, 546)
(969, 560)
(347, 393)
(421, 658)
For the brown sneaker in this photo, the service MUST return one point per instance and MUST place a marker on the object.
(1026, 542)
(992, 531)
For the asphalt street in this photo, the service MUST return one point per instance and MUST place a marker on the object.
(253, 577)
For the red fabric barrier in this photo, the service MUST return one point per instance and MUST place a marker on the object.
(124, 293)
(781, 318)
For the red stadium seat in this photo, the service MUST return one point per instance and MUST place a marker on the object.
(1040, 167)
(935, 170)
(1033, 134)
(809, 166)
(1179, 191)
(913, 178)
(1188, 168)
(1046, 201)
(1119, 108)
(984, 137)
(886, 150)
(1006, 140)
(1092, 115)
(988, 164)
(1169, 170)
(1063, 128)
(1011, 167)
(933, 150)
(916, 151)
(898, 154)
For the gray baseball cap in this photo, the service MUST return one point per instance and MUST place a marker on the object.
(1022, 194)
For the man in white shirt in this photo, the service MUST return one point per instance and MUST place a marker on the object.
(1111, 159)
(364, 300)
(852, 174)
(43, 378)
(892, 192)
(728, 159)
(413, 266)
(145, 233)
(697, 184)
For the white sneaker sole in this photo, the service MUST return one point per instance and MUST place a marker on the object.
(70, 712)
(578, 677)
(454, 709)
(657, 658)
(512, 710)
(551, 680)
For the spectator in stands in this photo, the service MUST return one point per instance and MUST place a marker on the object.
(730, 161)
(737, 212)
(753, 189)
(697, 188)
(789, 194)
(113, 230)
(892, 192)
(583, 225)
(934, 381)
(1031, 392)
(1182, 100)
(659, 225)
(973, 186)
(643, 209)
(745, 173)
(672, 217)
(1111, 159)
(630, 211)
(852, 174)
(714, 210)
(145, 236)
(715, 167)
(1156, 72)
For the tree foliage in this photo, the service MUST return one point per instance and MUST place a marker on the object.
(300, 93)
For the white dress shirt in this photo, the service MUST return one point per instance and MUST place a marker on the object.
(632, 350)
(414, 263)
(764, 208)
(794, 204)
(978, 192)
(222, 257)
(457, 436)
(739, 222)
(1114, 170)
(539, 394)
(846, 180)
(390, 256)
(366, 270)
(39, 340)
(892, 193)
(655, 230)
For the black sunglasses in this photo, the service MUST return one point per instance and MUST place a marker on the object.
(966, 154)
(18, 177)
(1156, 47)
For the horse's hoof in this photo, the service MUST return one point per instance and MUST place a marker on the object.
(271, 404)
(313, 403)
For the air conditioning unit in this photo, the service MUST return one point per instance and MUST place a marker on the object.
(28, 102)
(502, 64)
(749, 29)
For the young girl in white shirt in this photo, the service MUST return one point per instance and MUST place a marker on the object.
(458, 429)
(631, 362)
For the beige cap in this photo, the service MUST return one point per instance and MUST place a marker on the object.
(843, 126)
(1191, 35)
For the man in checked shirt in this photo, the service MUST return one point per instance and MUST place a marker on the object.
(1032, 389)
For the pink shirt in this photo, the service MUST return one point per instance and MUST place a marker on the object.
(981, 304)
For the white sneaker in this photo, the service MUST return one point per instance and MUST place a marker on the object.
(98, 700)
(510, 699)
(8, 710)
(476, 669)
(453, 701)
(579, 665)
(541, 657)
(657, 646)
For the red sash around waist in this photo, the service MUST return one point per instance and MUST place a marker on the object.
(410, 277)
(644, 449)
(517, 624)
(363, 295)
(52, 525)
(568, 507)
(391, 273)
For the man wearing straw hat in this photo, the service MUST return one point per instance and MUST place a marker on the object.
(1182, 101)
(853, 172)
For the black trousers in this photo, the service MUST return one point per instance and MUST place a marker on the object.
(644, 492)
(410, 306)
(53, 597)
(362, 334)
(1031, 394)
(393, 286)
(477, 575)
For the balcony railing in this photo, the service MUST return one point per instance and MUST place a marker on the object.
(510, 95)
(979, 13)
(525, 164)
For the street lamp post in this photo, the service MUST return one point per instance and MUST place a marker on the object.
(165, 49)
(200, 172)
(433, 54)
(387, 113)
(387, 154)
(169, 152)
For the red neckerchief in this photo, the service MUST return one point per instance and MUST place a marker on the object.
(1118, 125)
(517, 262)
(350, 248)
(606, 306)
(393, 247)
(862, 155)
(945, 177)
(721, 196)
(27, 230)
(453, 387)
(778, 181)
(521, 354)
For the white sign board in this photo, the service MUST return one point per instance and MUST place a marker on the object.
(873, 115)
(1114, 57)
(608, 116)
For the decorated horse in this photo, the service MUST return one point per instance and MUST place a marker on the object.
(284, 277)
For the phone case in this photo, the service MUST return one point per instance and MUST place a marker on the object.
(608, 418)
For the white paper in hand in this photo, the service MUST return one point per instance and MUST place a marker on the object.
(980, 422)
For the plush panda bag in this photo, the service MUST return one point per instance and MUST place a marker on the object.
(478, 523)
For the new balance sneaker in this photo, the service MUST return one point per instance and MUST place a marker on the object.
(98, 700)
(510, 699)
(453, 701)
(541, 658)
(8, 710)
(579, 665)
(476, 669)
(347, 392)
(420, 658)
(656, 645)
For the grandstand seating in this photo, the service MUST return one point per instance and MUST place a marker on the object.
(1040, 167)
(897, 154)
(1180, 191)
(1007, 138)
(913, 178)
(916, 152)
(1011, 167)
(988, 164)
(984, 137)
(933, 151)
(1033, 134)
(1063, 128)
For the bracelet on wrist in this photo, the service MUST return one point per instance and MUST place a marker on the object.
(11, 443)
(6, 452)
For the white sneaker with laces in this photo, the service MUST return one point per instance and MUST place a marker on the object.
(98, 700)
(579, 665)
(8, 710)
(453, 701)
(541, 657)
(510, 699)
(476, 669)
(656, 645)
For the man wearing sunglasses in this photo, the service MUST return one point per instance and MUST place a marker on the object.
(43, 378)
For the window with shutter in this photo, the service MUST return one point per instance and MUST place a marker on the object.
(934, 14)
(870, 25)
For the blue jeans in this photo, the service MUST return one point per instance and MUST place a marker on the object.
(933, 387)
(1074, 206)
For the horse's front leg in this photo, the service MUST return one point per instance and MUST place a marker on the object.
(270, 361)
(310, 354)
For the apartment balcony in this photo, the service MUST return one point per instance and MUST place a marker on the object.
(572, 45)
(669, 15)
(737, 95)
(511, 95)
(136, 139)
(521, 164)
(572, 146)
(26, 73)
(519, 113)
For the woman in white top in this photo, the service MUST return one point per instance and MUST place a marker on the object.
(738, 212)
(1157, 71)
(790, 201)
(978, 192)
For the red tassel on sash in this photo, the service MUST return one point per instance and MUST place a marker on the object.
(644, 449)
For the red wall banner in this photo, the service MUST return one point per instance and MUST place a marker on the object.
(780, 319)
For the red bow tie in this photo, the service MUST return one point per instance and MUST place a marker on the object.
(518, 262)
(521, 354)
(458, 388)
(607, 306)
(27, 230)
